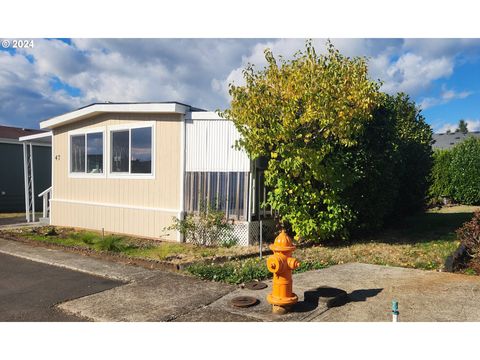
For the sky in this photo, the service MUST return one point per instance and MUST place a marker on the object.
(59, 75)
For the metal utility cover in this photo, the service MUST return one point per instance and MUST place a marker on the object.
(255, 285)
(244, 301)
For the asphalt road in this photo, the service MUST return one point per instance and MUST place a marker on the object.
(12, 220)
(29, 290)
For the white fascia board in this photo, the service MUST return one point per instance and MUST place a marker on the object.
(204, 115)
(18, 142)
(36, 136)
(111, 108)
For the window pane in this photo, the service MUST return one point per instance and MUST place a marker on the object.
(95, 153)
(141, 151)
(77, 154)
(120, 151)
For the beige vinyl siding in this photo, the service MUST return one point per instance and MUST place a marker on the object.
(84, 202)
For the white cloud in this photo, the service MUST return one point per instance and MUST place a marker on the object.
(398, 70)
(446, 96)
(196, 71)
(473, 125)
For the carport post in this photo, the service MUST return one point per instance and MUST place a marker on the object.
(25, 178)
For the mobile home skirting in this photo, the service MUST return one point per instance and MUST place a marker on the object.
(132, 220)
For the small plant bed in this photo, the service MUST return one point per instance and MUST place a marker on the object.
(422, 241)
(240, 271)
(128, 247)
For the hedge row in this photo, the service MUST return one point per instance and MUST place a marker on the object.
(394, 156)
(456, 173)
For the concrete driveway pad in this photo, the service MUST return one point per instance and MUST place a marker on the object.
(369, 289)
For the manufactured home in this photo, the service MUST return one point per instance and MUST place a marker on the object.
(130, 167)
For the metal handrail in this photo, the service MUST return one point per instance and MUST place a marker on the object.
(45, 191)
(46, 194)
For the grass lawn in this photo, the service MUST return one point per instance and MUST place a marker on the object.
(176, 253)
(421, 241)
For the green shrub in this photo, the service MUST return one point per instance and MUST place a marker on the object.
(88, 238)
(441, 178)
(456, 173)
(465, 172)
(392, 162)
(208, 227)
(342, 155)
(112, 243)
(237, 272)
(232, 272)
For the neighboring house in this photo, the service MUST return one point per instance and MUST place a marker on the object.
(130, 167)
(449, 140)
(12, 184)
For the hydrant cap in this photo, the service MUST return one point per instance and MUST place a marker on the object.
(283, 242)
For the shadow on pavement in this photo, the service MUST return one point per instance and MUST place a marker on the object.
(332, 297)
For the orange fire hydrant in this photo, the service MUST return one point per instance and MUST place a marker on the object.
(281, 264)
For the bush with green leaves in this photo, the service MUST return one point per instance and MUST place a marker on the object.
(207, 227)
(241, 271)
(303, 114)
(112, 243)
(441, 178)
(465, 172)
(342, 155)
(392, 158)
(456, 173)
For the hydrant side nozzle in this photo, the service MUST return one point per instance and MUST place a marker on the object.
(274, 263)
(293, 263)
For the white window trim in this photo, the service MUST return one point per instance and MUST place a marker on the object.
(85, 132)
(136, 125)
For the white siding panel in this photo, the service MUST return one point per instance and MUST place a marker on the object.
(210, 147)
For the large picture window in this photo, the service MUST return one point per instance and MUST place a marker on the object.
(86, 153)
(131, 151)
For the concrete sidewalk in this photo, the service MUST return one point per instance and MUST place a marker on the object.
(349, 292)
(422, 296)
(149, 295)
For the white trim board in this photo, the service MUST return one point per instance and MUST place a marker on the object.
(36, 136)
(204, 115)
(18, 142)
(121, 206)
(89, 111)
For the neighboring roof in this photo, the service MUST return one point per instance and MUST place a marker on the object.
(449, 140)
(108, 107)
(13, 133)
